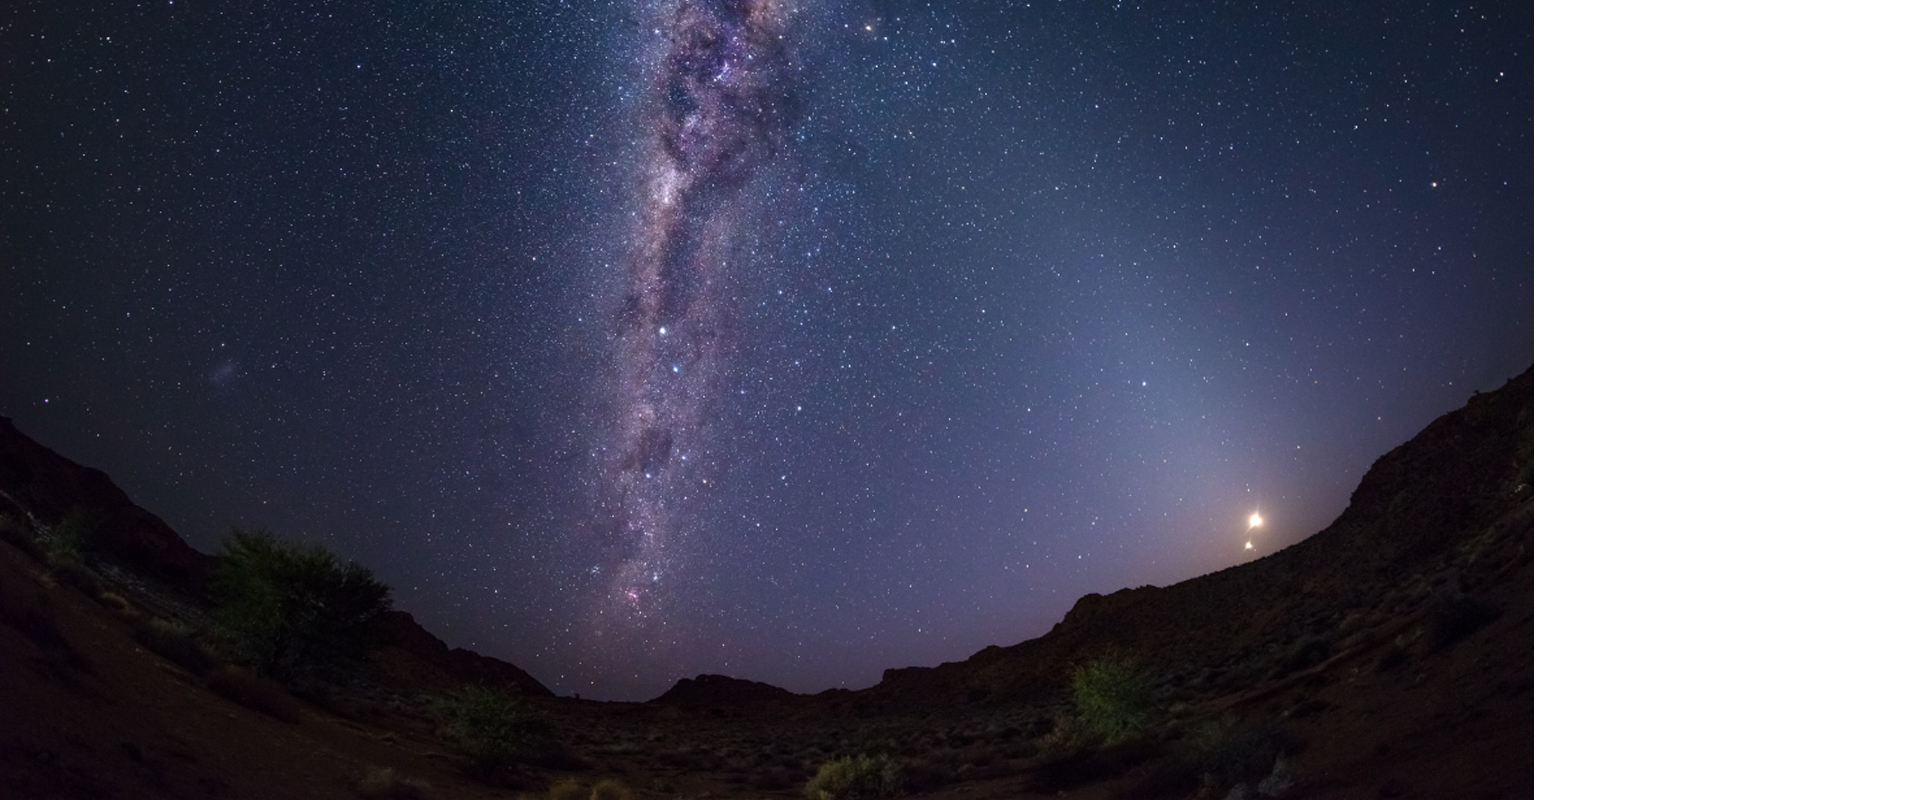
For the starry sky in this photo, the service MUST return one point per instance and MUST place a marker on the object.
(791, 341)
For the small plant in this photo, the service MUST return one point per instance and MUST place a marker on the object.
(856, 777)
(1114, 698)
(67, 549)
(486, 725)
(73, 539)
(285, 606)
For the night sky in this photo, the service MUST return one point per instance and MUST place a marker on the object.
(791, 341)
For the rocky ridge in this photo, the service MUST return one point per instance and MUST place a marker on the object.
(1387, 656)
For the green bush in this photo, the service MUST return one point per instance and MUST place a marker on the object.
(70, 548)
(486, 725)
(286, 606)
(855, 777)
(74, 538)
(1114, 697)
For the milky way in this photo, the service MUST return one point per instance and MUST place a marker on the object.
(716, 110)
(630, 340)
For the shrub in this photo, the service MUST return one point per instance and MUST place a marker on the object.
(73, 539)
(286, 606)
(1113, 696)
(486, 725)
(855, 777)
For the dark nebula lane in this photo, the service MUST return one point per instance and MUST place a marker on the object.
(631, 340)
(716, 112)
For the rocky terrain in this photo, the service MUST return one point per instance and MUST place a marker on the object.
(1390, 655)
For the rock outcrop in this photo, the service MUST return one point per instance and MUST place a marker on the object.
(46, 486)
(39, 482)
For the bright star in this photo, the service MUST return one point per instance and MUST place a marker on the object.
(1254, 521)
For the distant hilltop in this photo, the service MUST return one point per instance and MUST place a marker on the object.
(41, 484)
(1390, 655)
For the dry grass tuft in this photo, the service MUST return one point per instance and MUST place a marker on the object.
(855, 778)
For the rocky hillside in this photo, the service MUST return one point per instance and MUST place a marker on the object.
(1390, 655)
(1430, 526)
(156, 565)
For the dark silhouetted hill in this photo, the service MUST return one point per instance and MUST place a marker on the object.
(43, 485)
(721, 691)
(1390, 655)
